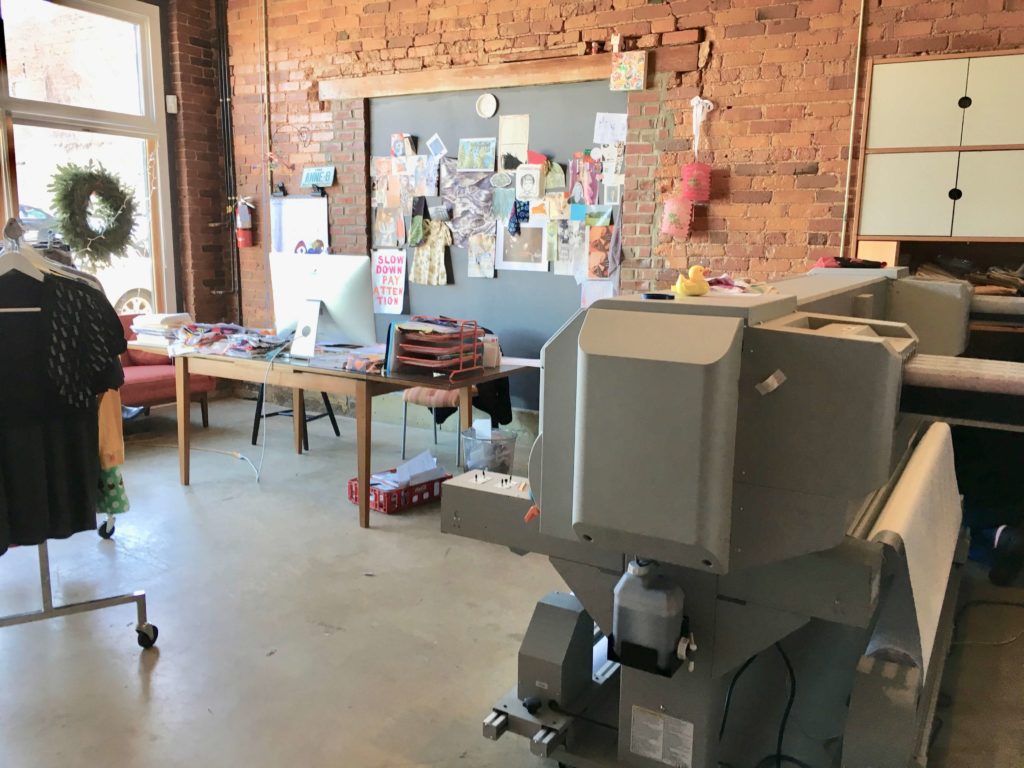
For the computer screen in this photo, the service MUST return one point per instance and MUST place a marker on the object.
(341, 282)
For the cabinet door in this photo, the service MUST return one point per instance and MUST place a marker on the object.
(992, 204)
(908, 194)
(916, 104)
(996, 113)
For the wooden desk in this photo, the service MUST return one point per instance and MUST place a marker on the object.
(299, 376)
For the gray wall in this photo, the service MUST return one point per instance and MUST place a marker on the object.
(523, 308)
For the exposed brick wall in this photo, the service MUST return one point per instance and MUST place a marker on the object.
(780, 73)
(203, 251)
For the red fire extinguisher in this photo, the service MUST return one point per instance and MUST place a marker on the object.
(243, 222)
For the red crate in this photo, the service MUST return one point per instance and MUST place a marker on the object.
(394, 500)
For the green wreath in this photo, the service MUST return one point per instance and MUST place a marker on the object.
(87, 196)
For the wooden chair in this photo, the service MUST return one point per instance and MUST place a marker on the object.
(259, 416)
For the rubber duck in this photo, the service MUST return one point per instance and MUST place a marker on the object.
(695, 285)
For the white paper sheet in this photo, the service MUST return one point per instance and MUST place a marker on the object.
(298, 224)
(924, 511)
(609, 127)
(513, 137)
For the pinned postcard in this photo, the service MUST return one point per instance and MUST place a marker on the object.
(388, 281)
(599, 245)
(612, 194)
(564, 253)
(557, 205)
(513, 137)
(388, 228)
(577, 212)
(529, 182)
(476, 154)
(598, 215)
(629, 71)
(436, 147)
(401, 144)
(481, 255)
(609, 127)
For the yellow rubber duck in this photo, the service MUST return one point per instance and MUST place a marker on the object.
(696, 285)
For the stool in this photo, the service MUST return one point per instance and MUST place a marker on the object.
(329, 413)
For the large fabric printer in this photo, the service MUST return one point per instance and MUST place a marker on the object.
(762, 545)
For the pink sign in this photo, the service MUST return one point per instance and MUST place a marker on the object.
(388, 281)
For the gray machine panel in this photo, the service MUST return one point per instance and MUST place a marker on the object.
(679, 373)
(937, 310)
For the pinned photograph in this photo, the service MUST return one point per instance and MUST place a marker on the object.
(388, 228)
(598, 261)
(529, 182)
(436, 146)
(481, 256)
(629, 71)
(477, 154)
(612, 194)
(526, 251)
(401, 145)
(557, 204)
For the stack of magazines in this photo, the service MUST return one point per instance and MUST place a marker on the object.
(159, 330)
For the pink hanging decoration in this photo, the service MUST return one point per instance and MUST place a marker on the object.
(677, 216)
(696, 182)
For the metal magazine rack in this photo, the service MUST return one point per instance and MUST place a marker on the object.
(454, 347)
(147, 633)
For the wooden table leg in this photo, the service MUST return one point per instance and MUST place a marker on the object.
(183, 402)
(364, 413)
(298, 416)
(465, 408)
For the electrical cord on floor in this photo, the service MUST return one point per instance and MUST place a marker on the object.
(232, 454)
(728, 695)
(263, 406)
(988, 643)
(779, 756)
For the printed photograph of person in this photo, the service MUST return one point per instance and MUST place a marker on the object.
(529, 182)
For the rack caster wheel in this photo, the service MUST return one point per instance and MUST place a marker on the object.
(106, 529)
(148, 633)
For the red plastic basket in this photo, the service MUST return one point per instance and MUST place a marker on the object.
(391, 500)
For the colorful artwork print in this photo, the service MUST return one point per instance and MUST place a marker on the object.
(477, 154)
(469, 195)
(629, 71)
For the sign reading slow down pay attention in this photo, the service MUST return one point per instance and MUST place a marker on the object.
(388, 281)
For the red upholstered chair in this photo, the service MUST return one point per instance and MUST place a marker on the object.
(149, 378)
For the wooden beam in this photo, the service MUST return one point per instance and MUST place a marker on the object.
(570, 69)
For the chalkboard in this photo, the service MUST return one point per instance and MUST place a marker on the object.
(523, 308)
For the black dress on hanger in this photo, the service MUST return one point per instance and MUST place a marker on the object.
(55, 364)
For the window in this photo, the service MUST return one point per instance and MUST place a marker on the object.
(81, 83)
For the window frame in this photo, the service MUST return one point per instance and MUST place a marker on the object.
(150, 126)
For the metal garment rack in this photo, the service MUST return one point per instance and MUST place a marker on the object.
(147, 633)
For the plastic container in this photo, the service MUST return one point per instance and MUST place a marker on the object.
(495, 453)
(647, 612)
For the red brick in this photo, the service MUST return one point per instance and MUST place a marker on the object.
(682, 37)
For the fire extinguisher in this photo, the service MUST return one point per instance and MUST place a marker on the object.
(243, 222)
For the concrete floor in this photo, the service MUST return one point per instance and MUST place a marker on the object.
(291, 637)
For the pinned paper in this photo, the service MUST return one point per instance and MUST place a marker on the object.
(481, 255)
(577, 212)
(609, 127)
(599, 246)
(513, 137)
(388, 281)
(501, 203)
(536, 158)
(436, 146)
(556, 205)
(529, 182)
(401, 144)
(598, 215)
(476, 154)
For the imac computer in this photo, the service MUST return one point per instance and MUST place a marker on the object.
(327, 298)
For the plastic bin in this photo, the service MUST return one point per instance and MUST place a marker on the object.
(495, 453)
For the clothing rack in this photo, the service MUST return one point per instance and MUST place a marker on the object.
(147, 633)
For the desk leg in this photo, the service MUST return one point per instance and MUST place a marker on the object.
(298, 415)
(183, 401)
(465, 417)
(364, 413)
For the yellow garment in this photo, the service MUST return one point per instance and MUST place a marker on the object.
(111, 434)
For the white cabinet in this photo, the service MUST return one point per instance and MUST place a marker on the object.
(907, 194)
(944, 150)
(992, 202)
(916, 104)
(995, 86)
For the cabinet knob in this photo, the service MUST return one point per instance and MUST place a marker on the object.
(964, 102)
(955, 194)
